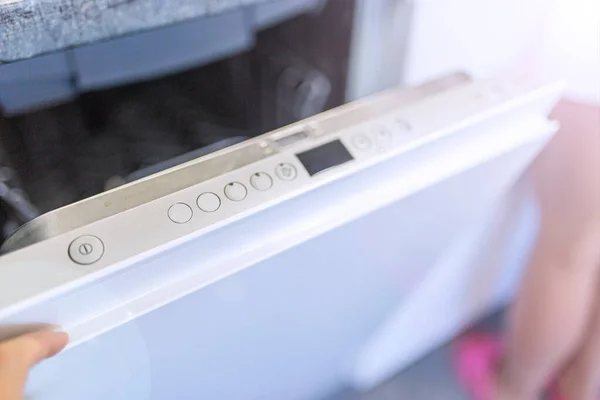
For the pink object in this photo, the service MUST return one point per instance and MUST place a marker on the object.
(555, 393)
(558, 396)
(476, 357)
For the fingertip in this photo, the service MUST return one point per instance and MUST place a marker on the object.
(55, 341)
(49, 341)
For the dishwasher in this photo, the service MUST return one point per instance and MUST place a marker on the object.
(331, 252)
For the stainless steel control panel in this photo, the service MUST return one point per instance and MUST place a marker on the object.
(304, 133)
(104, 234)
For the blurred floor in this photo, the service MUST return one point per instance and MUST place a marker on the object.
(431, 378)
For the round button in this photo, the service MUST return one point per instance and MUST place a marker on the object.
(86, 250)
(261, 181)
(402, 126)
(235, 191)
(383, 134)
(208, 202)
(180, 213)
(361, 142)
(286, 171)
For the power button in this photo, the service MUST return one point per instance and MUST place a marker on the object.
(86, 250)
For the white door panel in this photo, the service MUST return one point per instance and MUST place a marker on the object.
(322, 280)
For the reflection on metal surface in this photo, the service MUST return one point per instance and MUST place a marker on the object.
(213, 165)
(139, 192)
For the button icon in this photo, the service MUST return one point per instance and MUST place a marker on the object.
(402, 126)
(86, 250)
(361, 142)
(286, 171)
(383, 134)
(208, 202)
(235, 191)
(261, 181)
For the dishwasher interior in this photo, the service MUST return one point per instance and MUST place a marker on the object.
(294, 65)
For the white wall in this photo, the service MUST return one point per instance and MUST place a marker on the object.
(552, 38)
(481, 37)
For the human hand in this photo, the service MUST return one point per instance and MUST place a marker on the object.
(19, 355)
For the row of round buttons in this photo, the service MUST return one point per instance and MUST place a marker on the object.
(181, 213)
(382, 135)
(87, 249)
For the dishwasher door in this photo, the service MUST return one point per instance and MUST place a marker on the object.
(331, 252)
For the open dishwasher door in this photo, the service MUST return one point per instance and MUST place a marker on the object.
(283, 267)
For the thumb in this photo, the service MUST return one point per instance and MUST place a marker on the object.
(18, 355)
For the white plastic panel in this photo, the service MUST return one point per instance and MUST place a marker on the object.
(290, 294)
(380, 38)
(290, 326)
(460, 117)
(477, 273)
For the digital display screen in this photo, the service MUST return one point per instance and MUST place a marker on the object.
(324, 157)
